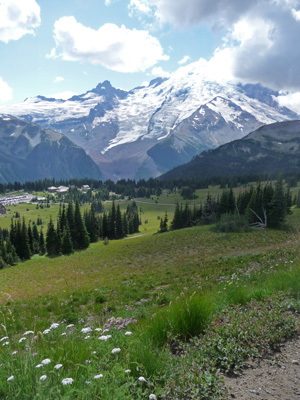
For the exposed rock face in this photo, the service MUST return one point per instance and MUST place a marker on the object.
(148, 130)
(29, 152)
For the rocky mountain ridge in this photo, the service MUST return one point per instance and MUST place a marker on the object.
(29, 152)
(150, 129)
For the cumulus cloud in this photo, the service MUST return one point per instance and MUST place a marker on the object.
(140, 7)
(184, 60)
(158, 71)
(6, 92)
(117, 48)
(261, 35)
(17, 18)
(58, 79)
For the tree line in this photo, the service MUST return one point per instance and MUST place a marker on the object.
(72, 231)
(261, 206)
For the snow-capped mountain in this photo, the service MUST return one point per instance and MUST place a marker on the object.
(151, 129)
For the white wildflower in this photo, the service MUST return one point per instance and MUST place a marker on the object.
(46, 331)
(98, 329)
(39, 366)
(87, 382)
(63, 334)
(58, 366)
(5, 343)
(86, 330)
(128, 333)
(22, 339)
(11, 378)
(54, 325)
(28, 333)
(98, 376)
(105, 338)
(70, 326)
(46, 361)
(106, 330)
(14, 352)
(43, 378)
(152, 397)
(142, 379)
(116, 350)
(4, 338)
(127, 371)
(67, 381)
(87, 337)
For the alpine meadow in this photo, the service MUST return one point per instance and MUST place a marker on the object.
(149, 200)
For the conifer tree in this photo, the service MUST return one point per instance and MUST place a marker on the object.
(278, 206)
(25, 253)
(119, 225)
(51, 240)
(82, 239)
(67, 245)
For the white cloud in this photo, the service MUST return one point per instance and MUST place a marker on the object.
(58, 79)
(139, 6)
(262, 35)
(158, 71)
(17, 18)
(117, 48)
(290, 100)
(6, 93)
(63, 95)
(184, 60)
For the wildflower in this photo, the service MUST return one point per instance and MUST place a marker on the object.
(14, 352)
(58, 366)
(98, 376)
(4, 338)
(28, 333)
(11, 378)
(106, 330)
(43, 378)
(70, 326)
(98, 329)
(34, 354)
(5, 343)
(94, 352)
(127, 371)
(63, 334)
(86, 330)
(87, 382)
(128, 333)
(46, 331)
(105, 338)
(67, 381)
(88, 361)
(22, 339)
(87, 337)
(142, 379)
(39, 366)
(54, 325)
(152, 397)
(46, 361)
(116, 350)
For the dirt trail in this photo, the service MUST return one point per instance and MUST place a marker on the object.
(274, 378)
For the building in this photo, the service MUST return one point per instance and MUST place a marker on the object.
(85, 187)
(62, 190)
(52, 189)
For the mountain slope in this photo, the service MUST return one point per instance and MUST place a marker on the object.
(29, 152)
(270, 149)
(153, 128)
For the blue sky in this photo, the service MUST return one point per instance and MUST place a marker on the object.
(53, 46)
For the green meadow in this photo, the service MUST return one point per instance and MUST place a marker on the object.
(175, 293)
